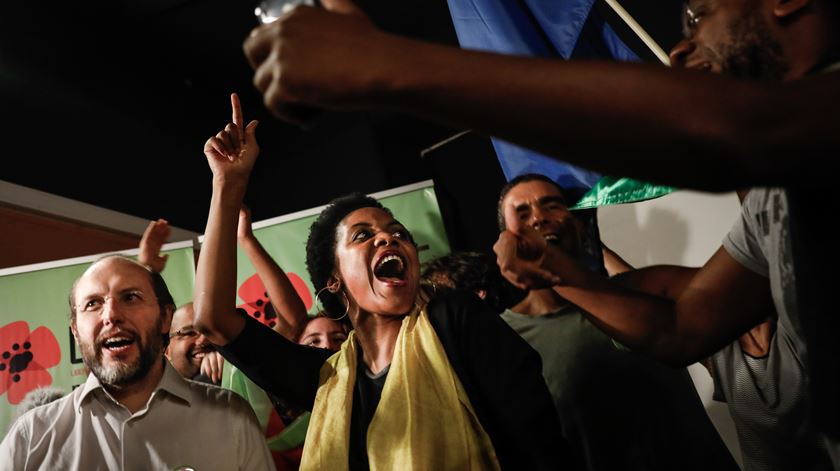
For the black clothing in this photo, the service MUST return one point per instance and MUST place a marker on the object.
(500, 372)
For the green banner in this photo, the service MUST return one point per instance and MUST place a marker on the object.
(36, 346)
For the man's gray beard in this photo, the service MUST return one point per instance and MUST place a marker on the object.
(753, 52)
(124, 374)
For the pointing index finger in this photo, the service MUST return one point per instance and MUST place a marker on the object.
(236, 108)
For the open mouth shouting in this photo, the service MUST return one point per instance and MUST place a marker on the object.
(117, 344)
(390, 269)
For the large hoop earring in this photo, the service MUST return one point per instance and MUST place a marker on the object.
(323, 311)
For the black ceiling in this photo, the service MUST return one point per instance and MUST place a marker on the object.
(110, 103)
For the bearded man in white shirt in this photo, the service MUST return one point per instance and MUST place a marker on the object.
(134, 411)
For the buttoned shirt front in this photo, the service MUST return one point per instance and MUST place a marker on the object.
(184, 425)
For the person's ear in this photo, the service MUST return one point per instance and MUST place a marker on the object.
(73, 329)
(166, 322)
(333, 284)
(786, 8)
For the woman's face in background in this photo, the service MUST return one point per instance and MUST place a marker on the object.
(322, 332)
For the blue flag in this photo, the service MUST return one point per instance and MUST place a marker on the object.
(568, 29)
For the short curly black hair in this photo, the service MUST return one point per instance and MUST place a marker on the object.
(470, 271)
(320, 245)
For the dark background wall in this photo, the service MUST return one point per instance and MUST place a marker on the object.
(110, 103)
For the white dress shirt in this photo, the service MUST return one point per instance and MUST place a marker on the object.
(184, 425)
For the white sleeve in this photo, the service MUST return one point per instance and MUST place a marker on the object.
(743, 241)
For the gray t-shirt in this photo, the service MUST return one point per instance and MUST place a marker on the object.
(760, 241)
(619, 409)
(767, 396)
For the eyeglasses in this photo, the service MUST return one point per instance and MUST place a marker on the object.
(128, 299)
(691, 19)
(186, 332)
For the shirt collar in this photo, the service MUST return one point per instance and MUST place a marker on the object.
(175, 384)
(171, 382)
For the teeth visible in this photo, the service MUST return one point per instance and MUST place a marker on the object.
(116, 340)
(552, 239)
(387, 259)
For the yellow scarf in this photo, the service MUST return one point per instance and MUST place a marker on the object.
(424, 420)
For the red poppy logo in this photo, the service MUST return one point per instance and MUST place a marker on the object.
(258, 304)
(24, 359)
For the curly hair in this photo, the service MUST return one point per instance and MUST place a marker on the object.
(471, 271)
(320, 245)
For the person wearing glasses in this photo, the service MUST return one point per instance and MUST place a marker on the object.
(192, 355)
(189, 352)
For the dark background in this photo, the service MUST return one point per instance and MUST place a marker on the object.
(110, 103)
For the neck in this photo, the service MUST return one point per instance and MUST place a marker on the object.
(540, 302)
(136, 395)
(377, 336)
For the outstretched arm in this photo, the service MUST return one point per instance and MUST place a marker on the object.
(721, 301)
(668, 281)
(231, 155)
(682, 128)
(153, 239)
(671, 281)
(291, 312)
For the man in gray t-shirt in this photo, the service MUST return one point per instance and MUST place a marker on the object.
(681, 315)
(619, 409)
(768, 395)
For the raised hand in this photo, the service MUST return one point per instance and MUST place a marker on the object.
(291, 311)
(522, 259)
(326, 57)
(231, 153)
(212, 366)
(153, 239)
